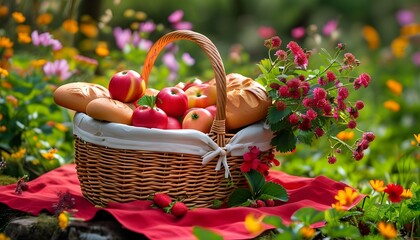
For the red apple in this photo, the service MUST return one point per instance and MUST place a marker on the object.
(173, 123)
(127, 86)
(172, 100)
(199, 119)
(149, 117)
(201, 96)
(212, 109)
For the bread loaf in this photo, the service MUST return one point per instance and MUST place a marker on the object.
(77, 95)
(247, 101)
(111, 110)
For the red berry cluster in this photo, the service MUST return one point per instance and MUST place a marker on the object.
(264, 203)
(164, 201)
(307, 102)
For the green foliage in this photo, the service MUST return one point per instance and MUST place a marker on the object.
(258, 189)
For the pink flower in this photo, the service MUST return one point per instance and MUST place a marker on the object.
(329, 27)
(122, 37)
(319, 93)
(362, 80)
(147, 27)
(405, 17)
(176, 20)
(416, 58)
(186, 57)
(45, 39)
(281, 55)
(293, 118)
(300, 57)
(266, 32)
(176, 16)
(331, 76)
(298, 32)
(58, 68)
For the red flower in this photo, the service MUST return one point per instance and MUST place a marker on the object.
(251, 160)
(394, 192)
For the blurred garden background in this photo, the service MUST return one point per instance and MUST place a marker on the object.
(44, 44)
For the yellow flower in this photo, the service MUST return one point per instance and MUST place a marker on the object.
(346, 196)
(417, 137)
(387, 230)
(19, 154)
(3, 72)
(50, 154)
(89, 30)
(22, 28)
(70, 26)
(410, 30)
(63, 220)
(345, 136)
(392, 105)
(38, 63)
(24, 37)
(5, 42)
(398, 47)
(407, 194)
(4, 10)
(18, 17)
(371, 36)
(254, 225)
(102, 49)
(377, 185)
(3, 128)
(1, 116)
(61, 127)
(394, 86)
(307, 232)
(338, 206)
(4, 237)
(44, 19)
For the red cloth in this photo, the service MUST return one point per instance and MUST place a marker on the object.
(138, 216)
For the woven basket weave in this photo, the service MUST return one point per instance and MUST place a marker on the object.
(120, 175)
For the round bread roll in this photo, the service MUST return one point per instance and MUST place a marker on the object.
(111, 110)
(247, 101)
(77, 95)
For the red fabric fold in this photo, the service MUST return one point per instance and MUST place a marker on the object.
(140, 217)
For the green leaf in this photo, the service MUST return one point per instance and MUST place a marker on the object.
(306, 137)
(256, 181)
(275, 221)
(284, 140)
(274, 191)
(308, 216)
(205, 234)
(341, 231)
(275, 116)
(147, 100)
(239, 197)
(415, 206)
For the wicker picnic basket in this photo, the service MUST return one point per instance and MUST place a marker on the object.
(134, 170)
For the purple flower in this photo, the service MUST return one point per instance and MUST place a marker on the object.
(170, 61)
(186, 57)
(122, 37)
(298, 32)
(176, 16)
(45, 39)
(176, 20)
(144, 44)
(58, 68)
(416, 58)
(147, 27)
(329, 27)
(405, 17)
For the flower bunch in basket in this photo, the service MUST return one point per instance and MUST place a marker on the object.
(310, 102)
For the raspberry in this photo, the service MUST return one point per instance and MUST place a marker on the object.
(332, 159)
(270, 203)
(260, 203)
(369, 136)
(162, 200)
(179, 209)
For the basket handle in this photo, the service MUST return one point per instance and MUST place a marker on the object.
(212, 53)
